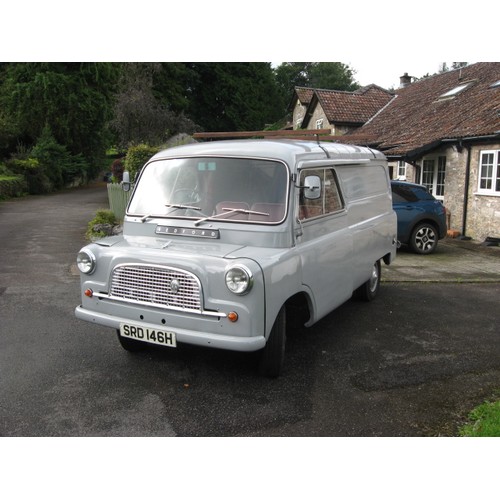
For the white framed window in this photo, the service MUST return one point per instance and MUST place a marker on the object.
(401, 170)
(433, 175)
(319, 123)
(489, 172)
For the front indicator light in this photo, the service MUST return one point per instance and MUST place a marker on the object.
(86, 261)
(232, 316)
(88, 293)
(239, 280)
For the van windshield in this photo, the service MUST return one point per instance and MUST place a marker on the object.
(226, 189)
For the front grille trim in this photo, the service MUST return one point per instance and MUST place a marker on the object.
(150, 285)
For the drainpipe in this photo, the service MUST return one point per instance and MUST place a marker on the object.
(466, 190)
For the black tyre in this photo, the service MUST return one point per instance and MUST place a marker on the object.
(369, 290)
(424, 238)
(130, 345)
(273, 355)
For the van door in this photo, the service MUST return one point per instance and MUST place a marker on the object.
(324, 241)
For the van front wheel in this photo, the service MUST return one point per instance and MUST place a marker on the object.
(130, 345)
(273, 354)
(369, 290)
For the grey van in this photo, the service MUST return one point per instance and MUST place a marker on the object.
(222, 239)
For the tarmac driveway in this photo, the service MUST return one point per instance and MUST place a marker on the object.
(411, 363)
(454, 261)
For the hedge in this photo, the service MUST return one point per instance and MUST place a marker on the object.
(137, 156)
(12, 186)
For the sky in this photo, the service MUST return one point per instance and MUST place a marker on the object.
(387, 75)
(381, 40)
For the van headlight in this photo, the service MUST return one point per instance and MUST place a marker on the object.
(239, 280)
(86, 261)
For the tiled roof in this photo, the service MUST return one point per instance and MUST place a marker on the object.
(304, 94)
(349, 107)
(419, 117)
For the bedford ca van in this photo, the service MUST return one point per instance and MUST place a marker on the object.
(223, 240)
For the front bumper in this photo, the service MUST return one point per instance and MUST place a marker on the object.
(231, 343)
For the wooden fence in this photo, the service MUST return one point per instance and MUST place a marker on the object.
(323, 134)
(118, 199)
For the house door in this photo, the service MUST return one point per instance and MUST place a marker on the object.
(433, 175)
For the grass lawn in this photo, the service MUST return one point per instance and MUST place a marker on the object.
(484, 421)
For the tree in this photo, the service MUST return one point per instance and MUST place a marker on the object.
(333, 76)
(290, 75)
(142, 114)
(232, 96)
(170, 85)
(73, 99)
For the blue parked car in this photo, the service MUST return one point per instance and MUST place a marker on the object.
(421, 218)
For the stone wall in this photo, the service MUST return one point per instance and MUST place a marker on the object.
(299, 112)
(454, 184)
(483, 216)
(319, 114)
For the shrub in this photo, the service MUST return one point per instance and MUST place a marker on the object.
(137, 156)
(4, 170)
(12, 186)
(101, 217)
(37, 182)
(48, 166)
(58, 164)
(117, 170)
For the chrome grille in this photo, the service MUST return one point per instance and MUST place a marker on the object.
(158, 286)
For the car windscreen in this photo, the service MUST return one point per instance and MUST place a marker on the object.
(233, 189)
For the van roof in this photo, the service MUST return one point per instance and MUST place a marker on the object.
(287, 150)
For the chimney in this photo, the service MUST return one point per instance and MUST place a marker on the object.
(404, 81)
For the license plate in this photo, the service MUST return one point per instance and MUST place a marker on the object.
(145, 334)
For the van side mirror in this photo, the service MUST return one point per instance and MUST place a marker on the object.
(312, 187)
(126, 181)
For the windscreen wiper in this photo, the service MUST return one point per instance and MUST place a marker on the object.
(175, 206)
(228, 211)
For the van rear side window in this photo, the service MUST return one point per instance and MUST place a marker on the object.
(330, 200)
(360, 182)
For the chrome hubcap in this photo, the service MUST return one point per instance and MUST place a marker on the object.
(374, 278)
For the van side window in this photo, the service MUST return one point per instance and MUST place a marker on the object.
(330, 200)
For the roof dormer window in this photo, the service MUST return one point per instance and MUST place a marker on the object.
(455, 91)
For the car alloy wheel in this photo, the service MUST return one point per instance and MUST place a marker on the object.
(424, 239)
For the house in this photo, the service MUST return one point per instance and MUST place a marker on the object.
(444, 132)
(337, 110)
(301, 98)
